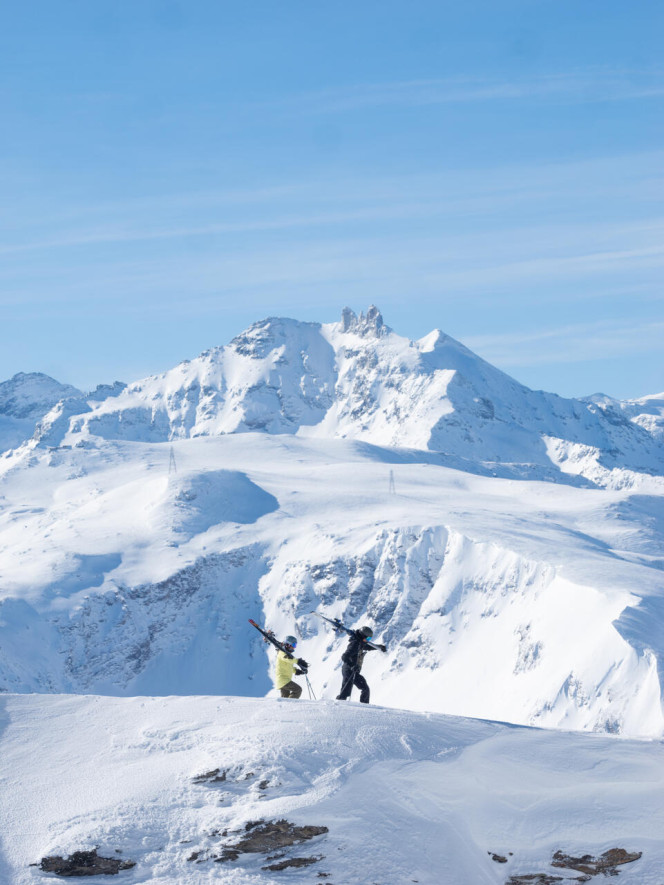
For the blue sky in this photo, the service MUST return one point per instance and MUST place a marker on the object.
(172, 171)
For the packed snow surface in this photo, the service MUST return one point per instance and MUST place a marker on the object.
(397, 797)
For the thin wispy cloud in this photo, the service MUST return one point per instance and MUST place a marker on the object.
(379, 213)
(582, 342)
(593, 85)
(629, 175)
(366, 205)
(564, 262)
(549, 269)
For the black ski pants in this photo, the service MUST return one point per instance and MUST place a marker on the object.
(291, 690)
(351, 676)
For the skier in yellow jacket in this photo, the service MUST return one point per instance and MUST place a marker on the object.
(287, 665)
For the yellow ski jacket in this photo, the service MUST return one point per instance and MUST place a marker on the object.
(285, 669)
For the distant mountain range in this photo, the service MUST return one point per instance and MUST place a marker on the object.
(354, 380)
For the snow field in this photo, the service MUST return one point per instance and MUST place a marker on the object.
(496, 598)
(405, 796)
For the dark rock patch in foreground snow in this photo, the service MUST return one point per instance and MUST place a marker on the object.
(216, 776)
(605, 863)
(84, 863)
(263, 837)
(534, 879)
(498, 858)
(590, 866)
(232, 778)
(292, 862)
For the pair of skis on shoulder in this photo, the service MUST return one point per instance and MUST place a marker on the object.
(269, 636)
(340, 628)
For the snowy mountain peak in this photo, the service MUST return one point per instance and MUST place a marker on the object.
(30, 395)
(261, 338)
(106, 391)
(25, 399)
(358, 379)
(430, 341)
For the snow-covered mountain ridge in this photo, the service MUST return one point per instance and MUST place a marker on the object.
(24, 400)
(507, 544)
(357, 379)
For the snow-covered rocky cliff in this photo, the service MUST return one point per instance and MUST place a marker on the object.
(506, 543)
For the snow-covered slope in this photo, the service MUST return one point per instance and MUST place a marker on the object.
(647, 412)
(358, 379)
(24, 400)
(196, 790)
(132, 568)
(507, 544)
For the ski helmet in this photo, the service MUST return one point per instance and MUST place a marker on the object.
(367, 632)
(290, 640)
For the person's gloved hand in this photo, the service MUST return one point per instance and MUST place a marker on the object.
(302, 664)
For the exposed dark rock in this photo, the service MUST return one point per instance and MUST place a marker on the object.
(265, 836)
(84, 863)
(586, 864)
(606, 863)
(260, 836)
(498, 858)
(216, 776)
(534, 879)
(292, 862)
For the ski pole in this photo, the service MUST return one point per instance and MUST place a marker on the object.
(350, 681)
(311, 691)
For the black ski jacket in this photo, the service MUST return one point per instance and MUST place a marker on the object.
(355, 651)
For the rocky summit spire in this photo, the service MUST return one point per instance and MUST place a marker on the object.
(371, 325)
(348, 319)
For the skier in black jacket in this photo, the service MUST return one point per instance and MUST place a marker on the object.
(352, 660)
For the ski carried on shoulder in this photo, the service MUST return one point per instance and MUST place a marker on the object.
(341, 628)
(336, 623)
(269, 636)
